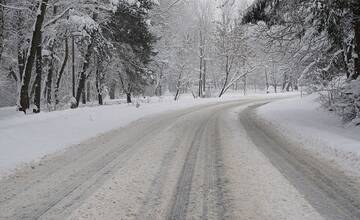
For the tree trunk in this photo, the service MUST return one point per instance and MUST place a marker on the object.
(289, 85)
(49, 79)
(35, 42)
(224, 86)
(266, 81)
(226, 77)
(178, 87)
(245, 84)
(2, 25)
(63, 66)
(285, 82)
(83, 96)
(127, 89)
(21, 61)
(21, 53)
(201, 64)
(356, 14)
(112, 91)
(100, 99)
(73, 65)
(37, 97)
(128, 97)
(99, 87)
(83, 76)
(88, 91)
(177, 94)
(204, 78)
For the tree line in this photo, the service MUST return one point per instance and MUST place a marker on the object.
(318, 42)
(51, 47)
(56, 52)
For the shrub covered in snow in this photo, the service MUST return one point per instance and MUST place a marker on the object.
(347, 102)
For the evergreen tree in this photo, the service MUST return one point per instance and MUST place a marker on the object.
(129, 29)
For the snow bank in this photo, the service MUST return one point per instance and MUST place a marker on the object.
(302, 120)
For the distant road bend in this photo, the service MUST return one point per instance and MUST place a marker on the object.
(207, 162)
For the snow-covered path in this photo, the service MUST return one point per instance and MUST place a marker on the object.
(330, 190)
(197, 163)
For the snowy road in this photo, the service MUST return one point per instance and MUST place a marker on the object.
(205, 162)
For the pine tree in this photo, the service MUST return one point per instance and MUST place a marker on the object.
(129, 30)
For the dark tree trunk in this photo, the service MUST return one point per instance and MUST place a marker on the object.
(83, 96)
(73, 65)
(98, 88)
(100, 99)
(289, 85)
(88, 91)
(112, 90)
(37, 84)
(49, 79)
(356, 12)
(224, 86)
(177, 94)
(295, 86)
(2, 25)
(285, 82)
(128, 97)
(21, 53)
(158, 90)
(178, 87)
(201, 48)
(204, 78)
(62, 69)
(245, 84)
(266, 81)
(83, 75)
(21, 60)
(127, 89)
(226, 77)
(35, 42)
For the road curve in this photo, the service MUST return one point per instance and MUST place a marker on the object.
(334, 194)
(198, 163)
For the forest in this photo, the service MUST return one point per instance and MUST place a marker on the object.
(58, 54)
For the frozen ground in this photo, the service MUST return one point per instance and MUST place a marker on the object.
(303, 121)
(24, 138)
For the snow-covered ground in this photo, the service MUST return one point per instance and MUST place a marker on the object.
(303, 121)
(24, 138)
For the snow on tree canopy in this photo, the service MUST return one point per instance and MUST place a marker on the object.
(82, 24)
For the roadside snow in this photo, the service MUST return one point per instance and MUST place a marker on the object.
(24, 138)
(302, 120)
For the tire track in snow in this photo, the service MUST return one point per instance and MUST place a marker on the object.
(326, 188)
(179, 204)
(70, 184)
